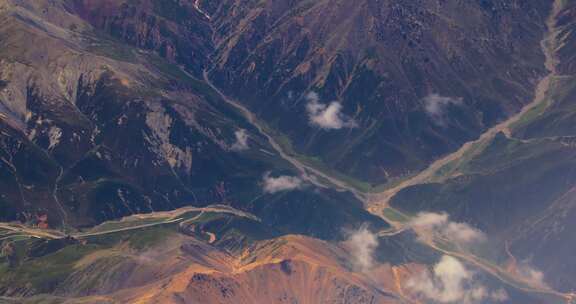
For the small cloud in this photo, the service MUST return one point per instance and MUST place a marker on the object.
(362, 244)
(440, 224)
(451, 282)
(429, 220)
(464, 233)
(436, 106)
(281, 183)
(327, 117)
(500, 295)
(531, 275)
(241, 143)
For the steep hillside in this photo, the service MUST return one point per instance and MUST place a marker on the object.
(379, 89)
(95, 128)
(518, 185)
(210, 255)
(176, 30)
(182, 151)
(106, 126)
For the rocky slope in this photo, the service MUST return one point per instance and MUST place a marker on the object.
(518, 186)
(406, 81)
(104, 113)
(209, 257)
(99, 121)
(176, 30)
(175, 263)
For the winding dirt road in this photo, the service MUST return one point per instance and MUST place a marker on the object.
(173, 216)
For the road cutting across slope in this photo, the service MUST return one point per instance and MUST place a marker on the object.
(163, 218)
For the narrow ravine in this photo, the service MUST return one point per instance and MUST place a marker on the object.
(61, 208)
(198, 7)
(307, 172)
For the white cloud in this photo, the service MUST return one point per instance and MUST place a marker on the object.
(241, 143)
(463, 233)
(329, 116)
(281, 183)
(439, 224)
(451, 282)
(500, 295)
(429, 220)
(531, 275)
(362, 244)
(436, 105)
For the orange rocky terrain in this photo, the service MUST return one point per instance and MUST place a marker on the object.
(291, 269)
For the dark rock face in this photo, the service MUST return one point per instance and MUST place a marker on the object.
(519, 187)
(379, 60)
(174, 29)
(129, 131)
(104, 113)
(100, 119)
(112, 132)
(24, 165)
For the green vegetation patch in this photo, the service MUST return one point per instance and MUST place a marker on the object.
(45, 273)
(150, 237)
(127, 224)
(102, 44)
(394, 215)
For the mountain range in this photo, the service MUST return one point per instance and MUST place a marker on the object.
(295, 151)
